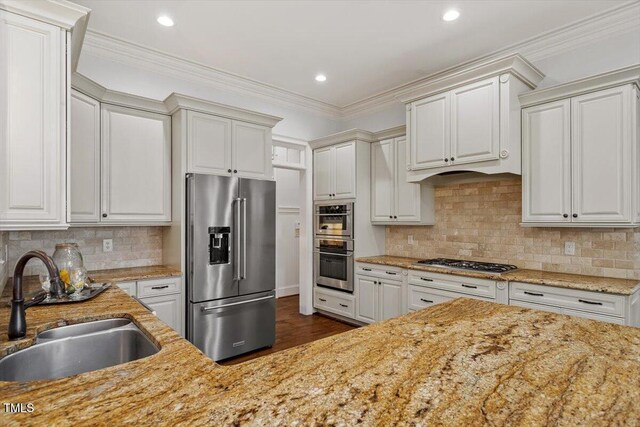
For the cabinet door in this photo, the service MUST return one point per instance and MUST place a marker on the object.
(366, 299)
(602, 156)
(344, 181)
(208, 144)
(32, 111)
(128, 287)
(383, 168)
(251, 150)
(429, 132)
(407, 194)
(475, 122)
(136, 165)
(323, 173)
(390, 300)
(84, 159)
(168, 309)
(546, 162)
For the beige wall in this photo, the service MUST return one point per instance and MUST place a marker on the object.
(132, 246)
(480, 221)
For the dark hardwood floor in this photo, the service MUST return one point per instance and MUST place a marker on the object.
(292, 329)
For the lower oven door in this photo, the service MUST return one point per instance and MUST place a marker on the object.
(334, 270)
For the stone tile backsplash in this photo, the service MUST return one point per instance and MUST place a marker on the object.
(132, 246)
(481, 221)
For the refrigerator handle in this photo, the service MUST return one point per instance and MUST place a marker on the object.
(236, 260)
(244, 238)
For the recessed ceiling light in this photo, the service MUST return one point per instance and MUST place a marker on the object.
(321, 78)
(451, 15)
(165, 20)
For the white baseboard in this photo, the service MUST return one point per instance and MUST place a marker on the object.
(287, 291)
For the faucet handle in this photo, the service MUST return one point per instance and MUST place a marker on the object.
(37, 299)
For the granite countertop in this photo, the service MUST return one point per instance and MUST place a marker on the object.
(549, 278)
(465, 362)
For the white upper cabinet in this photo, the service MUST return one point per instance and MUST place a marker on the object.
(221, 146)
(475, 122)
(581, 153)
(84, 159)
(602, 151)
(546, 165)
(468, 119)
(251, 150)
(382, 180)
(209, 144)
(136, 165)
(393, 199)
(32, 123)
(334, 172)
(430, 120)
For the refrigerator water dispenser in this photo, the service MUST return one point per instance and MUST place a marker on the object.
(219, 248)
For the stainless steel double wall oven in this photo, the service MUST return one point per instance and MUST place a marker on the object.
(333, 249)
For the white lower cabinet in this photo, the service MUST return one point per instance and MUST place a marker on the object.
(621, 309)
(164, 296)
(335, 302)
(379, 293)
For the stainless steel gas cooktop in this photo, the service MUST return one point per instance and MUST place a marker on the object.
(461, 264)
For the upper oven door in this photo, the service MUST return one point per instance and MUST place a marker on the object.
(334, 220)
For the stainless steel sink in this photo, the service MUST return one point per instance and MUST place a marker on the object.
(74, 349)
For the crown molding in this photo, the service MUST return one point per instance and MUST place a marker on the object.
(288, 141)
(113, 97)
(514, 64)
(176, 101)
(115, 49)
(344, 136)
(628, 75)
(394, 132)
(616, 21)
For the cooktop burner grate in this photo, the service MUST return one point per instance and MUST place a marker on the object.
(487, 267)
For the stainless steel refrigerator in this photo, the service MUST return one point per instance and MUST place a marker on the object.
(231, 271)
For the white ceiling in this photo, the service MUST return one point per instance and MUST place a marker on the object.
(364, 47)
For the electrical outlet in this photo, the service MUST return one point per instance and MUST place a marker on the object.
(410, 239)
(107, 245)
(569, 248)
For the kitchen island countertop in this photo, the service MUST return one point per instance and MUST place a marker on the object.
(465, 362)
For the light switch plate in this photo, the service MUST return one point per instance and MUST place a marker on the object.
(107, 245)
(569, 248)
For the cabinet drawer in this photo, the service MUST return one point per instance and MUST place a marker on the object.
(421, 297)
(593, 302)
(128, 287)
(466, 285)
(380, 271)
(568, 312)
(331, 302)
(165, 286)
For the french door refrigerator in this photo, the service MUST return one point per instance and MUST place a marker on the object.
(230, 263)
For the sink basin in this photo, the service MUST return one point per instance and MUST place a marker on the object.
(74, 349)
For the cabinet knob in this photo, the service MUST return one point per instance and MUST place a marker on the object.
(395, 217)
(390, 216)
(566, 215)
(453, 158)
(229, 170)
(235, 171)
(104, 215)
(446, 160)
(575, 215)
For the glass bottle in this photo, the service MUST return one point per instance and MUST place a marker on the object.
(69, 260)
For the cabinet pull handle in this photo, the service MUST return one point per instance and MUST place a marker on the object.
(322, 299)
(160, 287)
(533, 294)
(343, 305)
(426, 280)
(469, 286)
(366, 269)
(590, 302)
(426, 300)
(391, 272)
